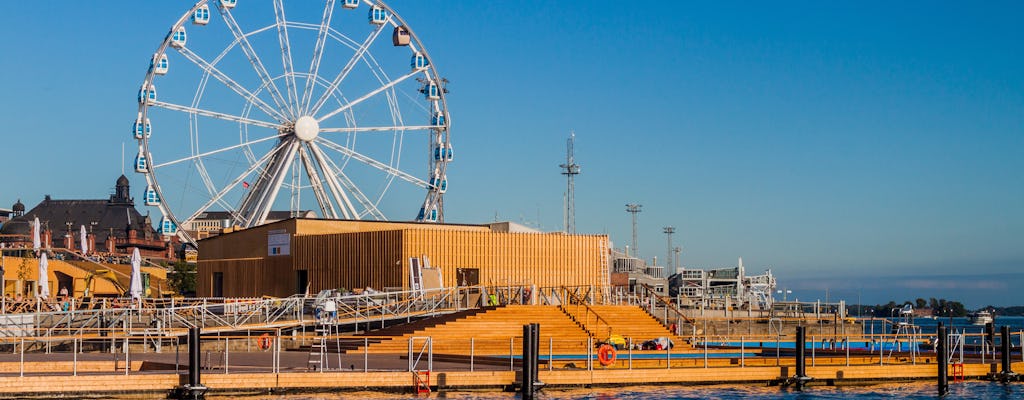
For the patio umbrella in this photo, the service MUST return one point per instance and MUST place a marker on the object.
(44, 281)
(135, 288)
(35, 235)
(84, 240)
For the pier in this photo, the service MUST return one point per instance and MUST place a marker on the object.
(401, 341)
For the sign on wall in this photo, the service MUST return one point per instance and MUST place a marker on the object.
(278, 242)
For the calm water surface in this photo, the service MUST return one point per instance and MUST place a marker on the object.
(905, 390)
(912, 390)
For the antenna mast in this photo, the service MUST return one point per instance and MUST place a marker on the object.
(570, 169)
(669, 230)
(634, 209)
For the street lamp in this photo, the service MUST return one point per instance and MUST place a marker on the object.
(784, 293)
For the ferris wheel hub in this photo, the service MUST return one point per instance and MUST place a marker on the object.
(306, 128)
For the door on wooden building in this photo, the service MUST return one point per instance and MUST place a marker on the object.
(301, 280)
(218, 284)
(469, 277)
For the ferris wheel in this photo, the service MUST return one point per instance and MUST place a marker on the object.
(259, 112)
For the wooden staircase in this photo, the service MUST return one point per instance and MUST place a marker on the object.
(498, 331)
(628, 321)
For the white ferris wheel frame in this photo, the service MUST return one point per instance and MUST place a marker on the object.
(331, 187)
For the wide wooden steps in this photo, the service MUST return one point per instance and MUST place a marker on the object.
(494, 332)
(629, 321)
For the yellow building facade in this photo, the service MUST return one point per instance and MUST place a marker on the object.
(300, 255)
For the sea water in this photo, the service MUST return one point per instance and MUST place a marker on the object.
(902, 390)
(905, 390)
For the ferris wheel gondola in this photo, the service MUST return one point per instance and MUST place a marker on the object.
(244, 130)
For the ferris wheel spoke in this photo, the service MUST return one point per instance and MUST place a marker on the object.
(318, 52)
(375, 92)
(210, 153)
(373, 163)
(230, 83)
(286, 56)
(204, 175)
(213, 114)
(218, 198)
(257, 203)
(380, 128)
(368, 205)
(345, 70)
(254, 60)
(332, 173)
(326, 207)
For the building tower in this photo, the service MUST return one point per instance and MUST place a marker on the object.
(634, 209)
(570, 169)
(669, 230)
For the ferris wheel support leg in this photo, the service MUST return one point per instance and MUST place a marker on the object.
(347, 209)
(256, 206)
(326, 207)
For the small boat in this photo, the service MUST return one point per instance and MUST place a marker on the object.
(981, 318)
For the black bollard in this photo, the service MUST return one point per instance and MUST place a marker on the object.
(941, 353)
(801, 367)
(537, 384)
(990, 337)
(526, 384)
(193, 357)
(193, 389)
(1005, 350)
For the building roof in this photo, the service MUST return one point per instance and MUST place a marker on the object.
(272, 216)
(114, 215)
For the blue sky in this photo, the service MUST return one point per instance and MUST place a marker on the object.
(861, 147)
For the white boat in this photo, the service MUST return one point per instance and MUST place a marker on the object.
(981, 318)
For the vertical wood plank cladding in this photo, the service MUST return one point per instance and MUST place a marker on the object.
(351, 254)
(350, 260)
(512, 258)
(247, 277)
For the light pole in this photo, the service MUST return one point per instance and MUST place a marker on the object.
(784, 293)
(634, 209)
(669, 230)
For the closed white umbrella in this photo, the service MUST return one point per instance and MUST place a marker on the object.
(85, 243)
(43, 282)
(135, 288)
(35, 235)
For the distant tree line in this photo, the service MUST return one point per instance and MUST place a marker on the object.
(939, 308)
(1008, 311)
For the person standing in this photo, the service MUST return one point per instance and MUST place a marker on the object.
(330, 310)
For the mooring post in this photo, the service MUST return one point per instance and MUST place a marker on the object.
(193, 389)
(193, 357)
(1005, 347)
(526, 382)
(801, 366)
(535, 378)
(943, 358)
(990, 339)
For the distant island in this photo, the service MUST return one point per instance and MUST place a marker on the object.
(932, 306)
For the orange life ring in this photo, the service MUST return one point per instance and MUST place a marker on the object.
(264, 341)
(606, 354)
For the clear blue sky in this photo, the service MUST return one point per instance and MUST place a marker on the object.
(860, 147)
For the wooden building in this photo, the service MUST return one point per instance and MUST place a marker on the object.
(296, 255)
